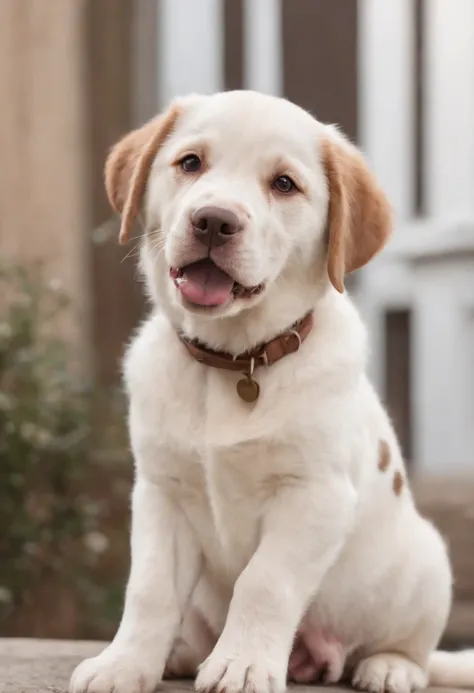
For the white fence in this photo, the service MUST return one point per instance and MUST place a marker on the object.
(429, 267)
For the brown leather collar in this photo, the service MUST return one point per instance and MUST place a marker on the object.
(264, 355)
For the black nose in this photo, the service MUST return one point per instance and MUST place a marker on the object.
(214, 226)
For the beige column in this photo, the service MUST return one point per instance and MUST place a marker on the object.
(43, 206)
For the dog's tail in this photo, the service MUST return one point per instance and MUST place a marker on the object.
(452, 669)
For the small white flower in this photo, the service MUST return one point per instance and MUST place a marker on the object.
(55, 284)
(6, 402)
(24, 356)
(42, 437)
(96, 542)
(90, 508)
(6, 596)
(28, 430)
(104, 232)
(35, 434)
(31, 549)
(5, 330)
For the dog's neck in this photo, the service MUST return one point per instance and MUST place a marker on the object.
(249, 329)
(266, 353)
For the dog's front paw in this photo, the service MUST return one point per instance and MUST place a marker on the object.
(388, 673)
(118, 671)
(240, 674)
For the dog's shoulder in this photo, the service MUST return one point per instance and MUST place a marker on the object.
(156, 362)
(338, 347)
(164, 386)
(146, 351)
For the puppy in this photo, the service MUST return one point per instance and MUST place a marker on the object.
(274, 533)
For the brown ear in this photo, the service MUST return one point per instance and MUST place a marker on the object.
(128, 165)
(359, 215)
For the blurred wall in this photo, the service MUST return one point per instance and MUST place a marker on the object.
(69, 92)
(44, 210)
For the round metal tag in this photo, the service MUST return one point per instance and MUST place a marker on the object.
(248, 389)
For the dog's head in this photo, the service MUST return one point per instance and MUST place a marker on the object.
(245, 196)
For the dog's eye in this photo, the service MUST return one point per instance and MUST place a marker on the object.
(190, 163)
(284, 184)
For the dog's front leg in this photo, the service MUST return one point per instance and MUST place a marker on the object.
(165, 564)
(303, 531)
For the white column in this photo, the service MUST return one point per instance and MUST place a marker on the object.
(443, 376)
(443, 365)
(386, 36)
(386, 117)
(190, 44)
(263, 50)
(449, 80)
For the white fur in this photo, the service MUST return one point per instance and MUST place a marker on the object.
(247, 517)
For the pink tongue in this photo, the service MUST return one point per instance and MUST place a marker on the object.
(205, 284)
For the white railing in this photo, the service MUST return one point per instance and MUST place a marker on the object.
(437, 286)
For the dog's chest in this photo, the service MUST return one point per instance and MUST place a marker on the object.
(223, 458)
(224, 501)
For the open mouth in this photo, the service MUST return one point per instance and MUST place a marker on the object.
(203, 283)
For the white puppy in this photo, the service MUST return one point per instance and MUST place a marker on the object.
(273, 531)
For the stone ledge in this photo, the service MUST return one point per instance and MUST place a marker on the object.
(40, 666)
(44, 666)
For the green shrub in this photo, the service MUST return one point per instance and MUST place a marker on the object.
(52, 511)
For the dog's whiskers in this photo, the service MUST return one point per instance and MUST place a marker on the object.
(158, 248)
(135, 250)
(132, 252)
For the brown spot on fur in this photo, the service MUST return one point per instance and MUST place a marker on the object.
(359, 214)
(129, 163)
(398, 482)
(384, 456)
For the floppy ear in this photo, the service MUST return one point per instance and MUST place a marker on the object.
(359, 214)
(128, 165)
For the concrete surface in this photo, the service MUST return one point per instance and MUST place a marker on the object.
(44, 666)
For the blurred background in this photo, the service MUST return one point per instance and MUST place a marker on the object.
(397, 75)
